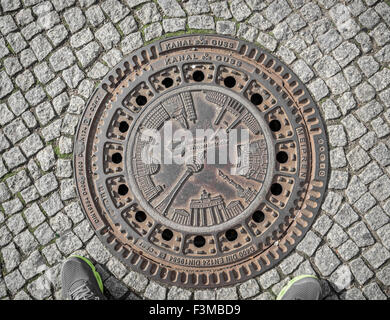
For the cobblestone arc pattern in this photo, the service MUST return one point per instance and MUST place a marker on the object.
(257, 225)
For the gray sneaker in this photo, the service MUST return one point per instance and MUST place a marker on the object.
(304, 287)
(80, 280)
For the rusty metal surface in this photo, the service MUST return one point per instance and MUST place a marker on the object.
(196, 225)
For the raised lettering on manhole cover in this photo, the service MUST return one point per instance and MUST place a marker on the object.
(199, 223)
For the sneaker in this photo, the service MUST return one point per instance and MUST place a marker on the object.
(303, 287)
(80, 280)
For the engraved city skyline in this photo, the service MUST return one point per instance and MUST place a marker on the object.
(196, 193)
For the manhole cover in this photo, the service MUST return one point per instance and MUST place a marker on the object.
(199, 223)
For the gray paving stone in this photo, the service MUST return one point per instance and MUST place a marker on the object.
(338, 179)
(7, 24)
(377, 255)
(115, 287)
(360, 234)
(115, 10)
(74, 18)
(369, 18)
(326, 261)
(337, 84)
(373, 292)
(249, 289)
(97, 251)
(35, 95)
(269, 278)
(247, 32)
(46, 158)
(24, 80)
(352, 75)
(25, 242)
(12, 65)
(11, 257)
(44, 113)
(365, 203)
(52, 254)
(32, 266)
(354, 128)
(381, 128)
(370, 173)
(5, 236)
(46, 184)
(131, 42)
(136, 281)
(62, 59)
(39, 288)
(41, 47)
(153, 31)
(337, 158)
(95, 15)
(345, 53)
(13, 158)
(329, 41)
(309, 244)
(225, 27)
(6, 85)
(239, 10)
(34, 215)
(380, 188)
(44, 234)
(201, 22)
(107, 35)
(18, 182)
(364, 92)
(341, 278)
(14, 281)
(355, 190)
(5, 114)
(68, 243)
(289, 264)
(155, 291)
(383, 275)
(176, 293)
(384, 235)
(326, 67)
(171, 8)
(332, 202)
(348, 250)
(329, 108)
(58, 34)
(221, 10)
(277, 11)
(336, 236)
(376, 218)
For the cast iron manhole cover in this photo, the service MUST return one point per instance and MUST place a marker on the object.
(198, 223)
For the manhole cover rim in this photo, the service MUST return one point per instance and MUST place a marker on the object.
(242, 277)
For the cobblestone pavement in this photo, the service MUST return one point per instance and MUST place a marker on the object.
(53, 54)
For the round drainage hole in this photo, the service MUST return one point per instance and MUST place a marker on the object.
(140, 216)
(116, 158)
(282, 157)
(141, 100)
(256, 99)
(258, 216)
(167, 82)
(123, 189)
(199, 241)
(229, 82)
(276, 189)
(198, 76)
(167, 234)
(231, 235)
(123, 126)
(275, 125)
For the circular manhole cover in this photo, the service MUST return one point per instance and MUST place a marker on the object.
(199, 210)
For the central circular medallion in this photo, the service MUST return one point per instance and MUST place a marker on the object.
(205, 195)
(201, 161)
